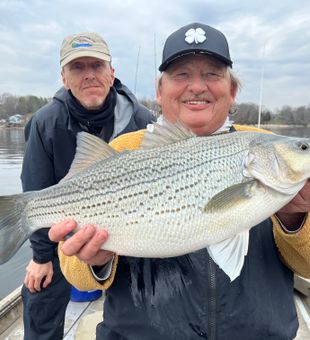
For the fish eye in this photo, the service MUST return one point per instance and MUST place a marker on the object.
(303, 146)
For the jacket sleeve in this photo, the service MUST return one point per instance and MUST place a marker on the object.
(37, 173)
(79, 274)
(74, 270)
(294, 247)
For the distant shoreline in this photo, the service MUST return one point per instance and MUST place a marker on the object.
(4, 126)
(283, 125)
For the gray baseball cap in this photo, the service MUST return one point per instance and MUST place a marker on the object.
(88, 44)
(194, 39)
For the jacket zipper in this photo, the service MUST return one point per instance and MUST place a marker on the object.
(211, 300)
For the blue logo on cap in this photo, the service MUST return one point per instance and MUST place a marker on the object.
(75, 45)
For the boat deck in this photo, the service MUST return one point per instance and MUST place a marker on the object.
(78, 314)
(82, 317)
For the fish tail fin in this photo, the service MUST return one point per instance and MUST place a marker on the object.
(14, 230)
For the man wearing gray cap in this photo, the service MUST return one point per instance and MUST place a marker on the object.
(91, 100)
(190, 296)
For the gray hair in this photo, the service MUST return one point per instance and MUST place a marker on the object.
(235, 80)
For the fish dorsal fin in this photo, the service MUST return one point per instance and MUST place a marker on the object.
(89, 151)
(229, 254)
(164, 133)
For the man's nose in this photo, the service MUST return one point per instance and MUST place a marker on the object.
(89, 73)
(198, 85)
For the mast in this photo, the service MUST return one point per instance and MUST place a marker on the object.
(155, 63)
(261, 88)
(137, 66)
(261, 96)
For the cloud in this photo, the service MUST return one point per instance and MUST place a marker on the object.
(272, 35)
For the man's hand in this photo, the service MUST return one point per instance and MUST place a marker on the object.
(294, 212)
(38, 276)
(85, 243)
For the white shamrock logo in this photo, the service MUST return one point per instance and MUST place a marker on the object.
(198, 35)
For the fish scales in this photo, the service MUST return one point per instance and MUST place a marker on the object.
(171, 199)
(128, 193)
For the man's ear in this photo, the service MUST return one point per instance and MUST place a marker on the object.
(233, 91)
(158, 91)
(112, 76)
(64, 79)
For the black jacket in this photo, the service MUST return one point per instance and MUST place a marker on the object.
(50, 147)
(191, 298)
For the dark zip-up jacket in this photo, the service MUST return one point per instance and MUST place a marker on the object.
(50, 148)
(191, 298)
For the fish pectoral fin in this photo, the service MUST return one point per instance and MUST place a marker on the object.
(229, 254)
(165, 133)
(236, 194)
(89, 151)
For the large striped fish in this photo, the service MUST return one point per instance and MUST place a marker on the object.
(178, 194)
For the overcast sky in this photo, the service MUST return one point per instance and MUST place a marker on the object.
(272, 35)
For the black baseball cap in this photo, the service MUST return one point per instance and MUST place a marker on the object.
(195, 38)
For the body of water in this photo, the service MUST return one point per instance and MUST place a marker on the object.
(295, 131)
(11, 154)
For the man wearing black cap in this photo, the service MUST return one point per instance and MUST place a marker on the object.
(190, 297)
(91, 100)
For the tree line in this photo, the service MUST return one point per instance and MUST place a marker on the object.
(11, 105)
(242, 113)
